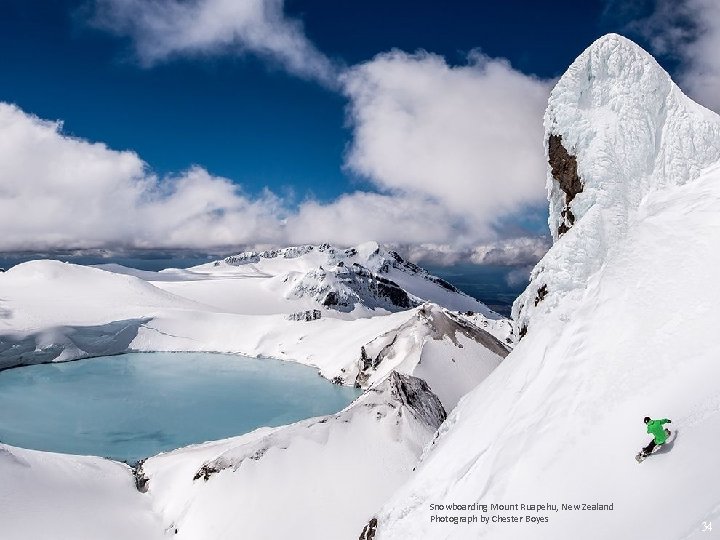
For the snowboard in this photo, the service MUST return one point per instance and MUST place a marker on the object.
(670, 437)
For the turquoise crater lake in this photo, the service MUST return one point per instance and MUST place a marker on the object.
(135, 405)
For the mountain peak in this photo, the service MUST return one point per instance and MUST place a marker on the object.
(617, 128)
(363, 278)
(613, 43)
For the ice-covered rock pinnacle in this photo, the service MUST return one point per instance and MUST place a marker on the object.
(629, 128)
(616, 128)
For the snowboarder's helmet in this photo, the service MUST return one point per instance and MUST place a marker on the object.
(646, 419)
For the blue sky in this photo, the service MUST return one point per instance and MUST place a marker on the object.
(241, 117)
(278, 125)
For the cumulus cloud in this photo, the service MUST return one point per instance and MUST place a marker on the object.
(386, 218)
(63, 192)
(450, 150)
(690, 31)
(57, 191)
(161, 29)
(469, 136)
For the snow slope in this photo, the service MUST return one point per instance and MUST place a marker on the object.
(46, 293)
(45, 496)
(625, 331)
(57, 311)
(321, 478)
(349, 463)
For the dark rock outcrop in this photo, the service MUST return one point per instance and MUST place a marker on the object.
(205, 472)
(307, 315)
(541, 294)
(415, 394)
(141, 480)
(386, 288)
(523, 331)
(563, 166)
(368, 532)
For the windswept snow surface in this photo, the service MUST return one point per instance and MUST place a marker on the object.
(628, 333)
(46, 293)
(46, 496)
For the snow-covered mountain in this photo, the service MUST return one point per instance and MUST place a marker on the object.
(56, 311)
(362, 281)
(48, 495)
(325, 475)
(617, 129)
(319, 478)
(617, 322)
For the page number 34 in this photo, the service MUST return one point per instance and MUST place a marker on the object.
(707, 526)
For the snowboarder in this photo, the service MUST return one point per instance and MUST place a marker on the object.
(659, 433)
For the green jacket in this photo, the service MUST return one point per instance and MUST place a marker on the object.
(655, 428)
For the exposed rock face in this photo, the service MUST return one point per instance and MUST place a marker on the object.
(341, 279)
(307, 315)
(141, 480)
(247, 257)
(368, 532)
(416, 395)
(346, 286)
(563, 167)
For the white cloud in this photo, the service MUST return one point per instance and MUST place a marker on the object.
(59, 192)
(519, 276)
(362, 216)
(453, 149)
(512, 251)
(62, 192)
(164, 28)
(525, 250)
(690, 31)
(469, 137)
